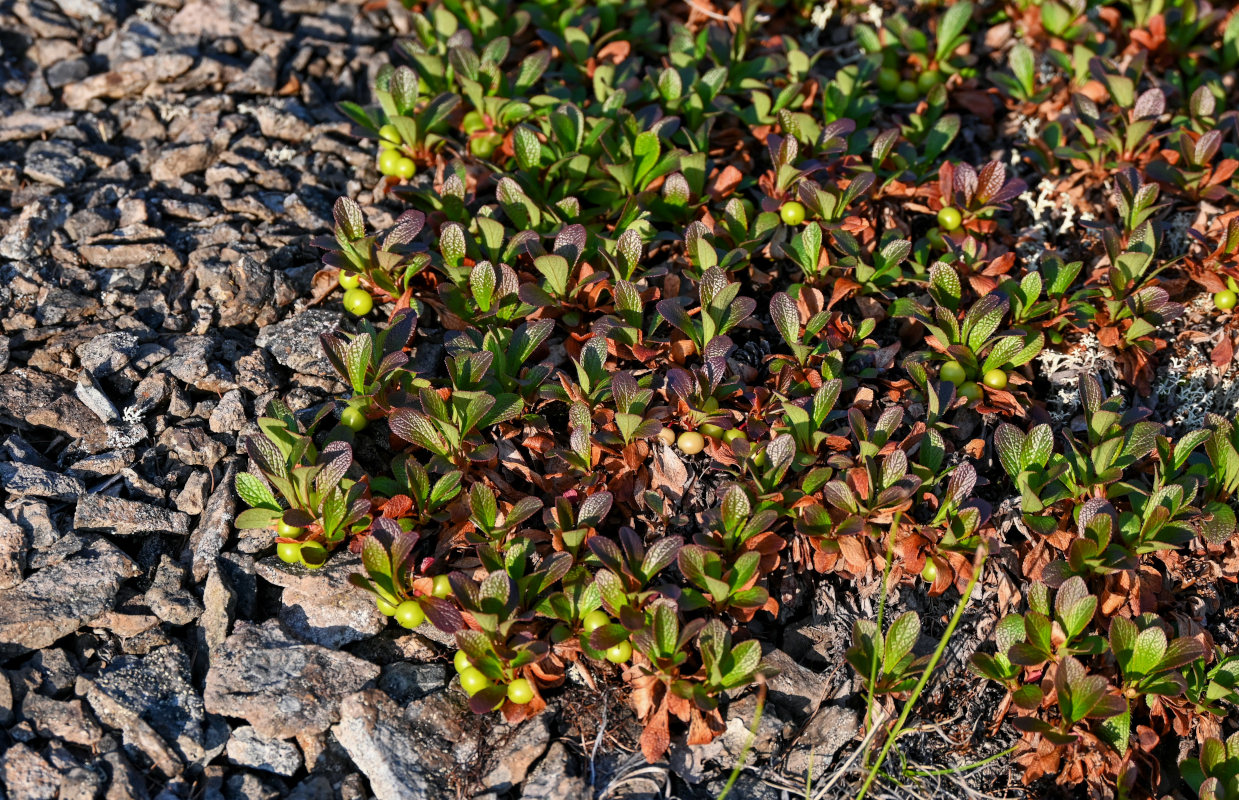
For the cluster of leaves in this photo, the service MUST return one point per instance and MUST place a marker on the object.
(716, 310)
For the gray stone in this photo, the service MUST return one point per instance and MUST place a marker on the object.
(294, 342)
(168, 599)
(514, 749)
(554, 778)
(399, 763)
(6, 700)
(151, 700)
(108, 353)
(219, 604)
(191, 363)
(229, 415)
(123, 781)
(31, 233)
(321, 605)
(37, 398)
(176, 162)
(694, 763)
(57, 673)
(191, 499)
(127, 78)
(826, 733)
(207, 541)
(32, 123)
(102, 465)
(27, 776)
(193, 446)
(795, 688)
(279, 685)
(13, 549)
(247, 748)
(57, 600)
(34, 517)
(67, 71)
(61, 719)
(100, 512)
(405, 682)
(54, 161)
(242, 288)
(26, 480)
(93, 397)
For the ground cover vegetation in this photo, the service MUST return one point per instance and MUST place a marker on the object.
(733, 308)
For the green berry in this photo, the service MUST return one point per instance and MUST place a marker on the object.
(935, 238)
(667, 436)
(1225, 300)
(930, 571)
(733, 434)
(888, 80)
(484, 146)
(691, 442)
(949, 219)
(388, 133)
(711, 430)
(619, 653)
(970, 390)
(358, 302)
(385, 608)
(389, 161)
(405, 169)
(410, 614)
(595, 620)
(348, 280)
(313, 554)
(286, 531)
(289, 552)
(792, 213)
(353, 418)
(953, 372)
(907, 91)
(461, 661)
(520, 692)
(995, 379)
(442, 587)
(473, 122)
(473, 681)
(928, 80)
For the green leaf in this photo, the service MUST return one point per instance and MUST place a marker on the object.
(900, 639)
(254, 492)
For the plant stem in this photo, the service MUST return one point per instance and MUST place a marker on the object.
(744, 753)
(873, 665)
(929, 668)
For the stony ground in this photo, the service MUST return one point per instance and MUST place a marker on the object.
(162, 170)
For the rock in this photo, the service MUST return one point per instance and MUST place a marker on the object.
(151, 700)
(826, 733)
(512, 758)
(108, 353)
(795, 688)
(57, 673)
(61, 719)
(190, 364)
(31, 233)
(193, 446)
(67, 71)
(123, 255)
(100, 512)
(242, 288)
(59, 599)
(26, 480)
(54, 161)
(554, 778)
(214, 18)
(176, 162)
(396, 760)
(103, 465)
(295, 344)
(37, 398)
(166, 597)
(126, 79)
(229, 415)
(27, 776)
(32, 123)
(123, 781)
(725, 750)
(13, 548)
(92, 396)
(207, 541)
(219, 603)
(279, 685)
(247, 748)
(6, 700)
(405, 682)
(321, 605)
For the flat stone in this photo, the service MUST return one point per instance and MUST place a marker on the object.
(32, 123)
(26, 480)
(247, 748)
(229, 414)
(555, 779)
(61, 719)
(279, 685)
(31, 233)
(321, 605)
(826, 733)
(219, 609)
(176, 162)
(123, 255)
(27, 776)
(108, 353)
(55, 162)
(405, 682)
(13, 548)
(795, 688)
(93, 397)
(191, 499)
(37, 398)
(127, 79)
(398, 761)
(513, 755)
(294, 342)
(151, 700)
(208, 539)
(100, 512)
(170, 601)
(59, 599)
